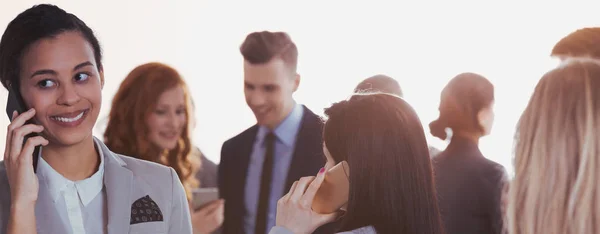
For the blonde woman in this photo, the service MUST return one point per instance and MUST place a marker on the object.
(557, 155)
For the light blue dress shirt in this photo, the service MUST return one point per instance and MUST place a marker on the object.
(285, 143)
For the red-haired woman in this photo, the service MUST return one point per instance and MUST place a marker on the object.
(150, 117)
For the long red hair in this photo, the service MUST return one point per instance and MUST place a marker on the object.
(127, 131)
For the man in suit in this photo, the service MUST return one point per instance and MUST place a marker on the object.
(259, 165)
(385, 84)
(584, 42)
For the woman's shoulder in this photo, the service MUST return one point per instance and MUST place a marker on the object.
(140, 167)
(363, 230)
(137, 166)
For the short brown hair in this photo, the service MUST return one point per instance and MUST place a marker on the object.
(584, 42)
(262, 47)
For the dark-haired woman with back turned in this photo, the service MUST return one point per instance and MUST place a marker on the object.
(390, 174)
(79, 186)
(469, 185)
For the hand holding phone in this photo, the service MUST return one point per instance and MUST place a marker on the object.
(203, 196)
(208, 210)
(14, 104)
(23, 182)
(294, 210)
(333, 193)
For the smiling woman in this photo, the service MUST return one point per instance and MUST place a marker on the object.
(63, 106)
(53, 60)
(150, 118)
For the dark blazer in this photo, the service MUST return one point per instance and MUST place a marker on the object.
(469, 189)
(307, 160)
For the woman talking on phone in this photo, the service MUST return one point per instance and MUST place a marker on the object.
(381, 140)
(79, 185)
(151, 118)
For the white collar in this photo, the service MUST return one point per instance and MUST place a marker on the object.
(87, 188)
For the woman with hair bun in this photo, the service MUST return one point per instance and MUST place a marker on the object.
(469, 185)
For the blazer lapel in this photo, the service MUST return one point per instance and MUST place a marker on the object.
(308, 157)
(45, 212)
(119, 185)
(308, 154)
(241, 168)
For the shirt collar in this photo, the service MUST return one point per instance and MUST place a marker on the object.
(287, 130)
(87, 188)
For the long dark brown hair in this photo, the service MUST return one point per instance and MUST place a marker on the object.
(127, 131)
(391, 181)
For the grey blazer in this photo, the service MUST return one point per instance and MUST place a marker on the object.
(126, 180)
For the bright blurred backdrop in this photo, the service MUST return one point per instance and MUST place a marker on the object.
(422, 45)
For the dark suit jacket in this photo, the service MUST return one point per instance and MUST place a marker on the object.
(469, 189)
(307, 160)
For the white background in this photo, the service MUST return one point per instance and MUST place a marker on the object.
(422, 45)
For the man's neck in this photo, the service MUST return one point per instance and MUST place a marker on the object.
(74, 162)
(288, 111)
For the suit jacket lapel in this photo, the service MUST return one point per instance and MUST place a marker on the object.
(308, 153)
(308, 157)
(45, 212)
(118, 181)
(241, 168)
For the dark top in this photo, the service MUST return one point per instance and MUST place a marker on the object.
(207, 175)
(469, 189)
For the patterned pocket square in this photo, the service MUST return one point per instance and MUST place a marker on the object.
(145, 210)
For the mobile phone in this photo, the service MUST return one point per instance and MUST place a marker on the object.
(203, 196)
(333, 193)
(15, 103)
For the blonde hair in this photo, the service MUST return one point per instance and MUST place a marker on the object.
(557, 154)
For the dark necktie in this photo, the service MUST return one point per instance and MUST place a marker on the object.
(262, 212)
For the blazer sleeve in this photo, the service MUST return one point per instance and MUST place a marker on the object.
(180, 222)
(499, 181)
(223, 192)
(221, 167)
(4, 200)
